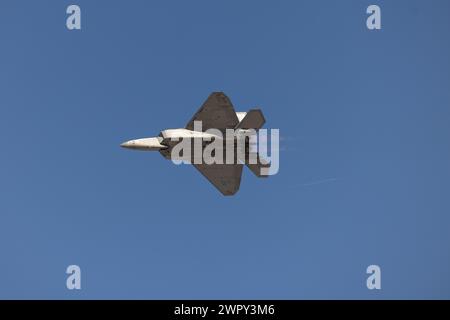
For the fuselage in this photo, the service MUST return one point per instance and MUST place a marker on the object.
(195, 142)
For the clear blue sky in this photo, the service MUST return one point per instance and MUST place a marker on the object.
(364, 175)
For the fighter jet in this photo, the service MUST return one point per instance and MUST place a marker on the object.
(218, 113)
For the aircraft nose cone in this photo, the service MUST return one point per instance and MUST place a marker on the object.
(126, 144)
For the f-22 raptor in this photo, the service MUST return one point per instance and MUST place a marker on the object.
(218, 113)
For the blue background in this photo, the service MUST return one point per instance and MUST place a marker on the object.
(364, 173)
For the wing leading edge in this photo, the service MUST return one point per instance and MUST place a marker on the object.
(216, 112)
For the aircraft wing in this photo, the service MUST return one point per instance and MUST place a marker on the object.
(225, 177)
(216, 112)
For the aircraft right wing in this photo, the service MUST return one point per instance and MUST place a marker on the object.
(225, 177)
(216, 112)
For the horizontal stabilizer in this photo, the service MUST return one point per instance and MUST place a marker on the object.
(254, 119)
(256, 168)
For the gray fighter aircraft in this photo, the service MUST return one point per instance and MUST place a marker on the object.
(217, 112)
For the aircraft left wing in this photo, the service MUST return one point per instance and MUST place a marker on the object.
(216, 112)
(225, 177)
